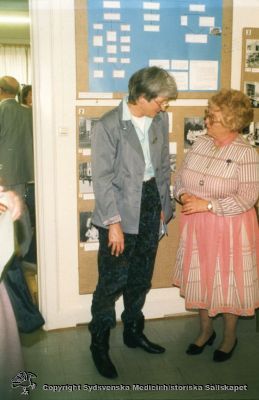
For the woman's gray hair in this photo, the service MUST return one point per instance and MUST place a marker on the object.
(151, 82)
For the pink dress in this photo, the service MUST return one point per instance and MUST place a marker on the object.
(217, 263)
(11, 359)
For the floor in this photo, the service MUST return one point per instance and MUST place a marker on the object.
(61, 361)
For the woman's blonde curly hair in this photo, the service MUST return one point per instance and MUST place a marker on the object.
(235, 106)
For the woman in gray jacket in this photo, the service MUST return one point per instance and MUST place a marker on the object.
(131, 179)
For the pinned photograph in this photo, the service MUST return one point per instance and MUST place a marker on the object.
(85, 133)
(193, 128)
(251, 89)
(215, 31)
(173, 201)
(251, 133)
(252, 54)
(172, 155)
(88, 232)
(85, 180)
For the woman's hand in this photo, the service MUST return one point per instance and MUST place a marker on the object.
(184, 197)
(13, 203)
(193, 204)
(116, 239)
(162, 216)
(3, 208)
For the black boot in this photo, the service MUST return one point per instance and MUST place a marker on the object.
(99, 348)
(133, 336)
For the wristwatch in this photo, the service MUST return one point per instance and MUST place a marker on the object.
(209, 206)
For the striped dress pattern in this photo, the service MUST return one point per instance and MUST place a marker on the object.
(217, 262)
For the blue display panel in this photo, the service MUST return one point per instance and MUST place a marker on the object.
(182, 36)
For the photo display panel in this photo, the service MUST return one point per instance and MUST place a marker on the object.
(250, 79)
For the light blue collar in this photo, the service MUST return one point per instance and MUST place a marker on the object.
(126, 114)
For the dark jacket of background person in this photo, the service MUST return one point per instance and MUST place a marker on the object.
(16, 143)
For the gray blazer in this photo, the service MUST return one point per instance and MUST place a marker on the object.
(16, 143)
(118, 169)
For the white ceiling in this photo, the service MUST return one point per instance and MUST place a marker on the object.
(11, 33)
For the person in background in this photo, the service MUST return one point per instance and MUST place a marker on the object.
(131, 179)
(217, 263)
(16, 151)
(16, 170)
(25, 96)
(30, 259)
(11, 360)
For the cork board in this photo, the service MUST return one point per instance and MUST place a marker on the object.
(250, 78)
(250, 59)
(250, 81)
(223, 32)
(87, 245)
(185, 124)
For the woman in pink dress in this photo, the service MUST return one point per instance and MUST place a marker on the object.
(217, 265)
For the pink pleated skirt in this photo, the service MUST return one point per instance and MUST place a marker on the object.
(11, 359)
(217, 263)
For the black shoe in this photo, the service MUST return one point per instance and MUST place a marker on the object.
(104, 364)
(220, 356)
(142, 341)
(133, 336)
(100, 353)
(193, 349)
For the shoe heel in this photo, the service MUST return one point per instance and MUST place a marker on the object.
(129, 341)
(220, 356)
(211, 339)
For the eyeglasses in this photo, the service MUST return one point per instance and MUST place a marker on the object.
(163, 105)
(211, 117)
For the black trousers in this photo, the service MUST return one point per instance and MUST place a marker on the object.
(129, 274)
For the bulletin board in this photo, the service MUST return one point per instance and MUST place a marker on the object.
(205, 57)
(191, 39)
(87, 234)
(185, 125)
(250, 78)
(250, 82)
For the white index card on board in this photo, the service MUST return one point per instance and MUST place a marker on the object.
(111, 49)
(152, 17)
(151, 28)
(98, 73)
(207, 21)
(197, 7)
(111, 4)
(98, 26)
(151, 6)
(98, 41)
(125, 28)
(125, 39)
(159, 63)
(111, 36)
(125, 49)
(111, 16)
(194, 38)
(98, 59)
(118, 74)
(184, 20)
(179, 64)
(172, 147)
